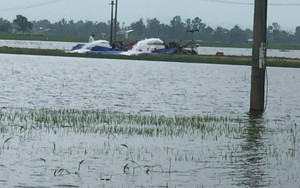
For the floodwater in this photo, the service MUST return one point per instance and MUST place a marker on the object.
(247, 52)
(262, 152)
(38, 44)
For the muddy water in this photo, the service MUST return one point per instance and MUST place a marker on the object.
(255, 153)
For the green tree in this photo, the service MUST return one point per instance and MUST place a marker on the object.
(103, 29)
(177, 28)
(279, 36)
(22, 24)
(139, 29)
(42, 26)
(156, 29)
(5, 26)
(197, 24)
(220, 35)
(297, 34)
(237, 35)
(188, 23)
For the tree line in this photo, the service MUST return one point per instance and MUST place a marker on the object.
(177, 29)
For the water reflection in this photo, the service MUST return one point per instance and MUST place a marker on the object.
(252, 156)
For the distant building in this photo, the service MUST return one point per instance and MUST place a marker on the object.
(125, 33)
(249, 41)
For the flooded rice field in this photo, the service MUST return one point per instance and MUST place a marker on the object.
(54, 45)
(78, 122)
(247, 52)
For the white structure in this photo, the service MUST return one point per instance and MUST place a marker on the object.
(88, 46)
(125, 33)
(146, 46)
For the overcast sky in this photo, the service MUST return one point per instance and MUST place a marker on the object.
(225, 13)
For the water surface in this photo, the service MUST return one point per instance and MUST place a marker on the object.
(253, 153)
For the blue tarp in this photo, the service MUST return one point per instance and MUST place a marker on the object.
(78, 47)
(110, 51)
(100, 48)
(166, 51)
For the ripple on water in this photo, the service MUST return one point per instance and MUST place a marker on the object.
(258, 153)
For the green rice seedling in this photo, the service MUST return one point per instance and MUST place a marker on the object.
(54, 147)
(44, 160)
(105, 178)
(126, 168)
(22, 128)
(151, 168)
(170, 166)
(6, 141)
(129, 157)
(79, 164)
(128, 151)
(61, 171)
(111, 122)
(3, 129)
(134, 164)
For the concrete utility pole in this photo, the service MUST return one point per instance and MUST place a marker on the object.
(115, 23)
(111, 22)
(257, 95)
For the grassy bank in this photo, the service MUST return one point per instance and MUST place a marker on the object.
(232, 60)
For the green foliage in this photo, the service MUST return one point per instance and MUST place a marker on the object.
(175, 30)
(5, 26)
(22, 24)
(237, 35)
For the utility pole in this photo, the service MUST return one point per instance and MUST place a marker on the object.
(115, 23)
(111, 23)
(257, 95)
(193, 43)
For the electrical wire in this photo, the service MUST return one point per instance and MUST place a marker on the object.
(267, 89)
(30, 6)
(245, 3)
(229, 2)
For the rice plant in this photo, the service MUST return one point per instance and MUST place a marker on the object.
(112, 122)
(62, 171)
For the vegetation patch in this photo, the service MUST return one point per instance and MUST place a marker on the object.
(111, 122)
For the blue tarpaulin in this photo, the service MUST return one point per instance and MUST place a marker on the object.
(111, 51)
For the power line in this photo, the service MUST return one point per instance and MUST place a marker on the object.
(229, 2)
(245, 3)
(284, 4)
(30, 6)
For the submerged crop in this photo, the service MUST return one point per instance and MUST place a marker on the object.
(104, 121)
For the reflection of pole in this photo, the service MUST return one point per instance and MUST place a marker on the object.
(111, 22)
(258, 57)
(250, 161)
(115, 23)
